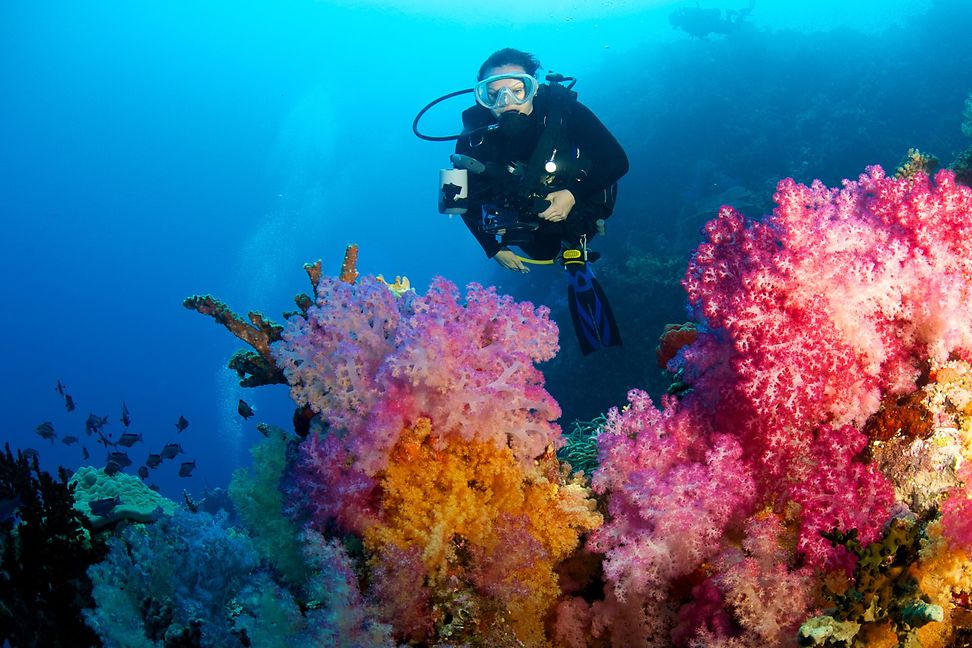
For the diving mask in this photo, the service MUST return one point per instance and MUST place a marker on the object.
(501, 90)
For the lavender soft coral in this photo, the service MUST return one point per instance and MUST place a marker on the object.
(370, 363)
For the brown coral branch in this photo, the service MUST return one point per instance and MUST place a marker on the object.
(349, 271)
(253, 368)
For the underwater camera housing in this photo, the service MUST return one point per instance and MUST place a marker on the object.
(511, 214)
(514, 219)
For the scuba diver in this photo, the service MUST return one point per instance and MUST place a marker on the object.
(699, 22)
(535, 169)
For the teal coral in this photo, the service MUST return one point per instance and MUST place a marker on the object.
(580, 451)
(259, 501)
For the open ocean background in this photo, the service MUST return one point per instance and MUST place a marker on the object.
(152, 150)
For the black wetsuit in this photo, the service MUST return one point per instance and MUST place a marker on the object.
(592, 157)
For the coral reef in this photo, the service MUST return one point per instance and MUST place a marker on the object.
(254, 369)
(257, 498)
(434, 442)
(160, 579)
(673, 338)
(483, 529)
(46, 547)
(830, 332)
(812, 470)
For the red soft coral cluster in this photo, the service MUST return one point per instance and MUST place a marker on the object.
(838, 296)
(829, 304)
(810, 317)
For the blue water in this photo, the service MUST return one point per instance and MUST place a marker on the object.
(152, 150)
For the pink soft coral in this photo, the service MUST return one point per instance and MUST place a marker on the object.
(957, 511)
(842, 492)
(371, 364)
(833, 301)
(671, 492)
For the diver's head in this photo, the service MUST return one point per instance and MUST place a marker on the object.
(507, 82)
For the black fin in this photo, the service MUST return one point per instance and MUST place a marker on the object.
(590, 311)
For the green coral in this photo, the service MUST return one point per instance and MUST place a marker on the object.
(259, 502)
(883, 588)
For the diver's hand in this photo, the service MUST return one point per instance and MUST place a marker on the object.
(510, 261)
(561, 202)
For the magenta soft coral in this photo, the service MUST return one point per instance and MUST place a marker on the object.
(839, 295)
(839, 492)
(672, 492)
(830, 303)
(957, 511)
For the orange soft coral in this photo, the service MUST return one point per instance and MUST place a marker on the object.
(480, 519)
(944, 573)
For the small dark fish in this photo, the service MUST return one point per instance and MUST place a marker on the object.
(9, 508)
(185, 470)
(154, 487)
(85, 454)
(68, 440)
(182, 423)
(244, 409)
(143, 472)
(94, 424)
(69, 402)
(171, 450)
(112, 469)
(302, 420)
(102, 507)
(126, 418)
(128, 439)
(46, 431)
(120, 458)
(153, 460)
(30, 452)
(60, 387)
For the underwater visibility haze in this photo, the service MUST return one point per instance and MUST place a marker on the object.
(776, 456)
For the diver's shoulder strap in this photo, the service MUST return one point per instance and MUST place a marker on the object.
(560, 101)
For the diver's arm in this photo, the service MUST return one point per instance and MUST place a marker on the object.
(608, 159)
